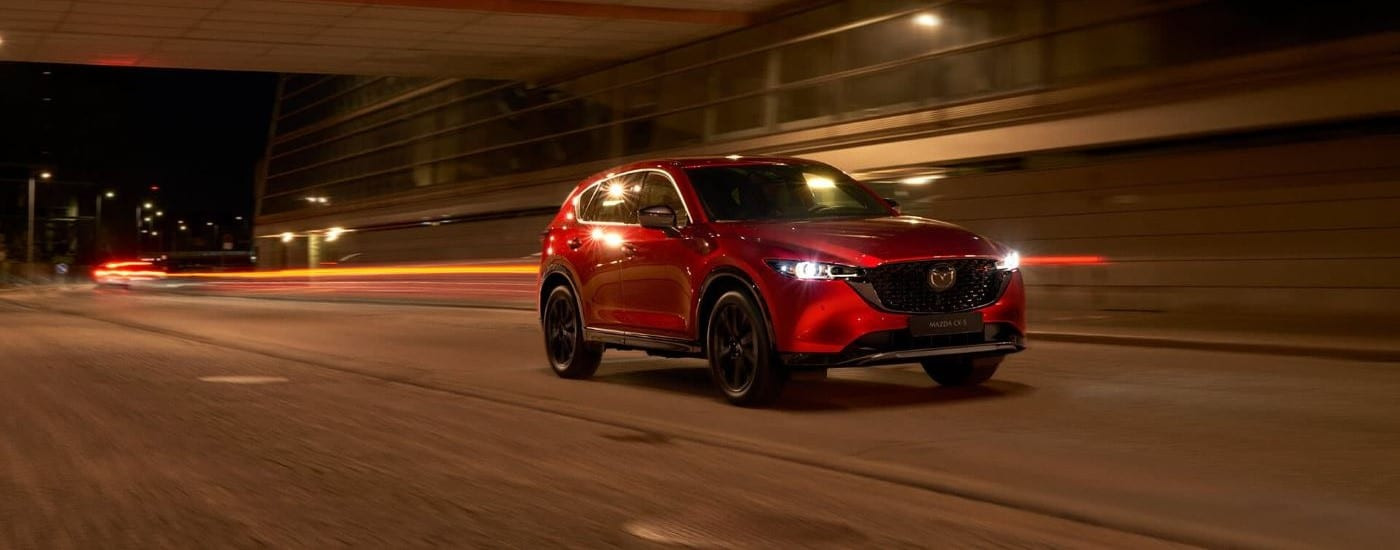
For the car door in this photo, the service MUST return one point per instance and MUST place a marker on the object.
(655, 276)
(604, 214)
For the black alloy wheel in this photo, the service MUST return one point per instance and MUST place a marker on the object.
(569, 354)
(742, 361)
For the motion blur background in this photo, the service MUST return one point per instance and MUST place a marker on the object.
(1164, 155)
(1145, 155)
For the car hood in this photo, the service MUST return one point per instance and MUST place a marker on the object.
(867, 242)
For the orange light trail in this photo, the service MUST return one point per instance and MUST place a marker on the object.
(1063, 260)
(500, 269)
(123, 273)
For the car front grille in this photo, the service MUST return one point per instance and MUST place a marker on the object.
(905, 286)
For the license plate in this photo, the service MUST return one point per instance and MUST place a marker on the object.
(951, 323)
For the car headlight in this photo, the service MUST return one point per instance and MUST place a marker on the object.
(814, 270)
(1010, 261)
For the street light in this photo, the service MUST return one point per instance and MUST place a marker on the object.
(97, 219)
(29, 238)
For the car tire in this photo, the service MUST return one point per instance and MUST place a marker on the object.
(742, 360)
(569, 354)
(961, 371)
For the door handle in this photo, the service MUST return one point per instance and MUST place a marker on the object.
(629, 249)
(574, 243)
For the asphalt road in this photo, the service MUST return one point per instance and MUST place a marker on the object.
(136, 421)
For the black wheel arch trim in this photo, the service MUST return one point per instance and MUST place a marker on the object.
(557, 268)
(729, 272)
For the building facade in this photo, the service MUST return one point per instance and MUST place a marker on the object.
(1178, 155)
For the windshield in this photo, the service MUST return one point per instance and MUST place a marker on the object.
(781, 192)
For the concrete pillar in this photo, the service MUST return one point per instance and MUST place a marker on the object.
(313, 251)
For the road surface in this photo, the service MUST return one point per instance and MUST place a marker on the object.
(142, 420)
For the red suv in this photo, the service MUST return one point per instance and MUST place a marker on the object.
(767, 265)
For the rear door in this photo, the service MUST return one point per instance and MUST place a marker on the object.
(604, 214)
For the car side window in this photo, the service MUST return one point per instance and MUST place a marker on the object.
(614, 200)
(585, 200)
(658, 189)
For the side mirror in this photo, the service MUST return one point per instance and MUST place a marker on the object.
(893, 204)
(658, 217)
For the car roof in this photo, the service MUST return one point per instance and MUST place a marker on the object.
(731, 160)
(698, 162)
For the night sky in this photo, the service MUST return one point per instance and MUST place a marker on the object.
(197, 135)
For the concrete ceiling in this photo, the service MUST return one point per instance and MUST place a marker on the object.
(508, 39)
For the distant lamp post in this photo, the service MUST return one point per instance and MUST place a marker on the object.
(142, 218)
(29, 239)
(97, 232)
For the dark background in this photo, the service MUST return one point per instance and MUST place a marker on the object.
(197, 135)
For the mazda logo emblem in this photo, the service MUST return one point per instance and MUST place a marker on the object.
(942, 277)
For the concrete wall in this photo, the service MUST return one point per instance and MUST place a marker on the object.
(491, 239)
(1310, 228)
(1303, 228)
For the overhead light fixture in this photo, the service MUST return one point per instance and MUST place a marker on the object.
(287, 237)
(45, 175)
(733, 157)
(334, 233)
(818, 182)
(927, 20)
(110, 194)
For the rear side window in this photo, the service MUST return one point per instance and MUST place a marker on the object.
(658, 190)
(613, 200)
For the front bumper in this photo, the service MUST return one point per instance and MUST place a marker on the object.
(829, 323)
(899, 346)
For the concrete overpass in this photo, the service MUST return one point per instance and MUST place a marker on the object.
(495, 39)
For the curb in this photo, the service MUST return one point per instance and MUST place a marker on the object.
(1261, 348)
